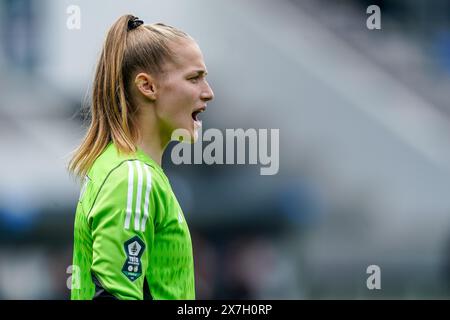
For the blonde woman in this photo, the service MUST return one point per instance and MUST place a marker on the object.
(131, 240)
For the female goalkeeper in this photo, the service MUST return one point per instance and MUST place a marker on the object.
(131, 240)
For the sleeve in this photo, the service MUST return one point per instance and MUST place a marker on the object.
(122, 229)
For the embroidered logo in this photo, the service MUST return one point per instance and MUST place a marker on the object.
(134, 248)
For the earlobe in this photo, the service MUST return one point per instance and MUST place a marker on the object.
(146, 85)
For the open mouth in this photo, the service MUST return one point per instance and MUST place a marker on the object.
(196, 113)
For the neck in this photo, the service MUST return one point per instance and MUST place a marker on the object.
(152, 141)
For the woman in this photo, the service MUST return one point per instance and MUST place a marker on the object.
(131, 239)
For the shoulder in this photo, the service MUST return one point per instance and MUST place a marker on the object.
(129, 181)
(112, 167)
(106, 163)
(125, 188)
(127, 176)
(132, 173)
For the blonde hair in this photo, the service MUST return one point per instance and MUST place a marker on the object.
(126, 50)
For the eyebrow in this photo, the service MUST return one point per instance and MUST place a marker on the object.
(200, 72)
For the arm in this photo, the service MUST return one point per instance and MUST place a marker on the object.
(122, 230)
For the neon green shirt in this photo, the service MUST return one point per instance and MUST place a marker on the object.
(131, 240)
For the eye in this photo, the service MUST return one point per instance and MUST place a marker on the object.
(194, 79)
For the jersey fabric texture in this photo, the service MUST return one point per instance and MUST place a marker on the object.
(131, 240)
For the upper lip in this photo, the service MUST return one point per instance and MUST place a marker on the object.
(201, 109)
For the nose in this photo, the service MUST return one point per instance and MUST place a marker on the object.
(207, 93)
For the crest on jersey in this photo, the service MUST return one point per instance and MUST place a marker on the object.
(134, 248)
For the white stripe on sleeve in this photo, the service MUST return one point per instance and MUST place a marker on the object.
(147, 196)
(137, 212)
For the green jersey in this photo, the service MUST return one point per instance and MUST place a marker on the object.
(131, 240)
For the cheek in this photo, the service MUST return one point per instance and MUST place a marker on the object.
(182, 101)
(177, 102)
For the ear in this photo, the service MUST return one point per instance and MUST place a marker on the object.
(146, 85)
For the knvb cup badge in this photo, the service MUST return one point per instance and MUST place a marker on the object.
(134, 249)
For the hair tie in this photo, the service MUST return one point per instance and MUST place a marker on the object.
(134, 22)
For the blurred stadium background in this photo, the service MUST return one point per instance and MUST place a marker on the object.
(364, 119)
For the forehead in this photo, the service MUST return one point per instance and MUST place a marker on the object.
(187, 56)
